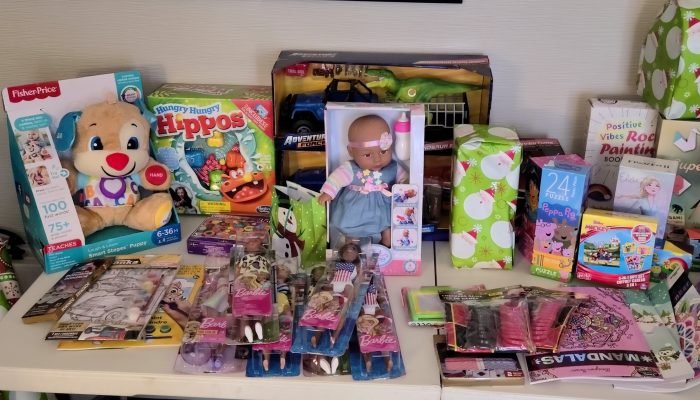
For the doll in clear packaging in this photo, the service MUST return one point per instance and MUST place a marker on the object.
(360, 188)
(252, 290)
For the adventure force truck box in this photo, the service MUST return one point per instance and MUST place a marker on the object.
(217, 142)
(86, 183)
(616, 128)
(455, 89)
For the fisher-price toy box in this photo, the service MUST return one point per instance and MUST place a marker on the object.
(616, 128)
(562, 195)
(680, 140)
(34, 113)
(374, 196)
(616, 248)
(217, 142)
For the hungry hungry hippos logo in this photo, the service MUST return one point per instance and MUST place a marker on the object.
(196, 121)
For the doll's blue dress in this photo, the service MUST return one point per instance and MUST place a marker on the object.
(363, 208)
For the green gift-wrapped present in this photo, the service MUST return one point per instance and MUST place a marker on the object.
(669, 70)
(484, 191)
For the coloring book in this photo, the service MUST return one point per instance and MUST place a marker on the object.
(602, 341)
(119, 305)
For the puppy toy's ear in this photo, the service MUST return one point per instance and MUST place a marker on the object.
(65, 133)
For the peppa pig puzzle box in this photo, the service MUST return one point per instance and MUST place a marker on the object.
(41, 123)
(562, 195)
(616, 248)
(217, 142)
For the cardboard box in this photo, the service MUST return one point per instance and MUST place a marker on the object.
(217, 141)
(34, 114)
(645, 186)
(668, 257)
(616, 248)
(680, 140)
(562, 194)
(405, 200)
(616, 128)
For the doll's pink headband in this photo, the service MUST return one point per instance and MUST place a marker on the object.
(385, 141)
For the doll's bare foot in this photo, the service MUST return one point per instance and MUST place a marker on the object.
(386, 238)
(266, 364)
(334, 364)
(248, 331)
(283, 360)
(259, 330)
(389, 363)
(368, 362)
(325, 365)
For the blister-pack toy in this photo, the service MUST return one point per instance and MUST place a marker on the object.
(378, 353)
(276, 359)
(329, 318)
(206, 347)
(252, 291)
(489, 321)
(549, 312)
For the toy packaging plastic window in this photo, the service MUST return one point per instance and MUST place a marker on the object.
(320, 365)
(484, 323)
(378, 354)
(329, 318)
(276, 359)
(549, 312)
(423, 305)
(205, 346)
(252, 292)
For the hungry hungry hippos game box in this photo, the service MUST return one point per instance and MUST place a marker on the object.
(217, 142)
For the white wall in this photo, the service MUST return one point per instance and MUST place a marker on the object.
(547, 56)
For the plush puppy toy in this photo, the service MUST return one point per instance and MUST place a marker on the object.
(110, 161)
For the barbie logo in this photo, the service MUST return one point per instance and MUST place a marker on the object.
(321, 316)
(250, 292)
(210, 322)
(367, 340)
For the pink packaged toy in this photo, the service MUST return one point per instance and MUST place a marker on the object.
(252, 292)
(378, 354)
(205, 346)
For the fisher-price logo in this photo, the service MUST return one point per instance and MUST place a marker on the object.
(195, 121)
(34, 91)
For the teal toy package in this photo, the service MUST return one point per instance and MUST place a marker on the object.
(85, 180)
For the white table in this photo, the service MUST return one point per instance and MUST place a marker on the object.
(29, 363)
(446, 275)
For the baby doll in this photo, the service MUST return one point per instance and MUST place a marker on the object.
(405, 239)
(361, 188)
